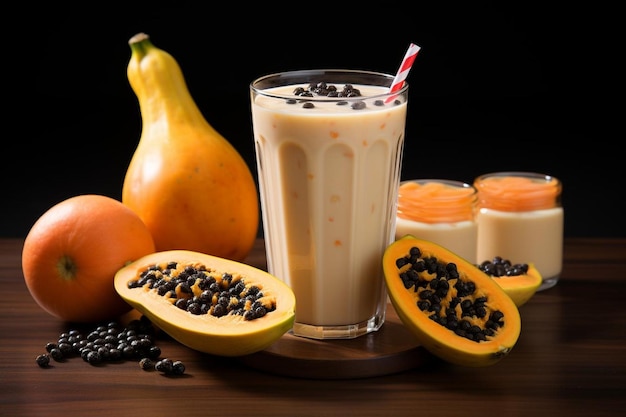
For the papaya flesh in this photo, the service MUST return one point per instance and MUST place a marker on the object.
(455, 310)
(210, 304)
(519, 281)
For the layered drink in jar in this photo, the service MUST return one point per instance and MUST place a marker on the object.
(441, 211)
(520, 218)
(329, 149)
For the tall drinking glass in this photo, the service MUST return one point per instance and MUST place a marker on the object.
(329, 147)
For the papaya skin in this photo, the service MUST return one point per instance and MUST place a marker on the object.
(229, 335)
(189, 185)
(521, 288)
(436, 338)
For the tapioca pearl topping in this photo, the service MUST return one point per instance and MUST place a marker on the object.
(323, 89)
(358, 105)
(328, 90)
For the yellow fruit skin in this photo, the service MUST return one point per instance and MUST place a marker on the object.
(188, 184)
(521, 288)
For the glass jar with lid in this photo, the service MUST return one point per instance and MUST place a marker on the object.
(441, 211)
(520, 218)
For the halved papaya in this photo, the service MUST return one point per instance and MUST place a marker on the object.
(519, 281)
(455, 310)
(210, 304)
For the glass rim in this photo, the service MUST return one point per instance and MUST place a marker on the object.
(454, 183)
(522, 174)
(306, 77)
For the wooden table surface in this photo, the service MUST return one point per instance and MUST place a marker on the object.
(570, 360)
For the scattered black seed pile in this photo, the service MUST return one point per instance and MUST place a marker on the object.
(499, 267)
(328, 90)
(448, 298)
(112, 342)
(199, 291)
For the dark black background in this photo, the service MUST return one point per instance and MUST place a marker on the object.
(494, 88)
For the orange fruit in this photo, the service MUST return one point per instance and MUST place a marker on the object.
(72, 252)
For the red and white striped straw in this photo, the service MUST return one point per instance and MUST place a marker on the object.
(404, 69)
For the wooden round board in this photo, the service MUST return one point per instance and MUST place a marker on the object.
(391, 349)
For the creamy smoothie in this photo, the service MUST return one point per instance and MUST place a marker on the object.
(329, 175)
(520, 218)
(523, 237)
(458, 237)
(441, 211)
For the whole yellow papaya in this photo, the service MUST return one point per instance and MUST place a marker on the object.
(188, 184)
